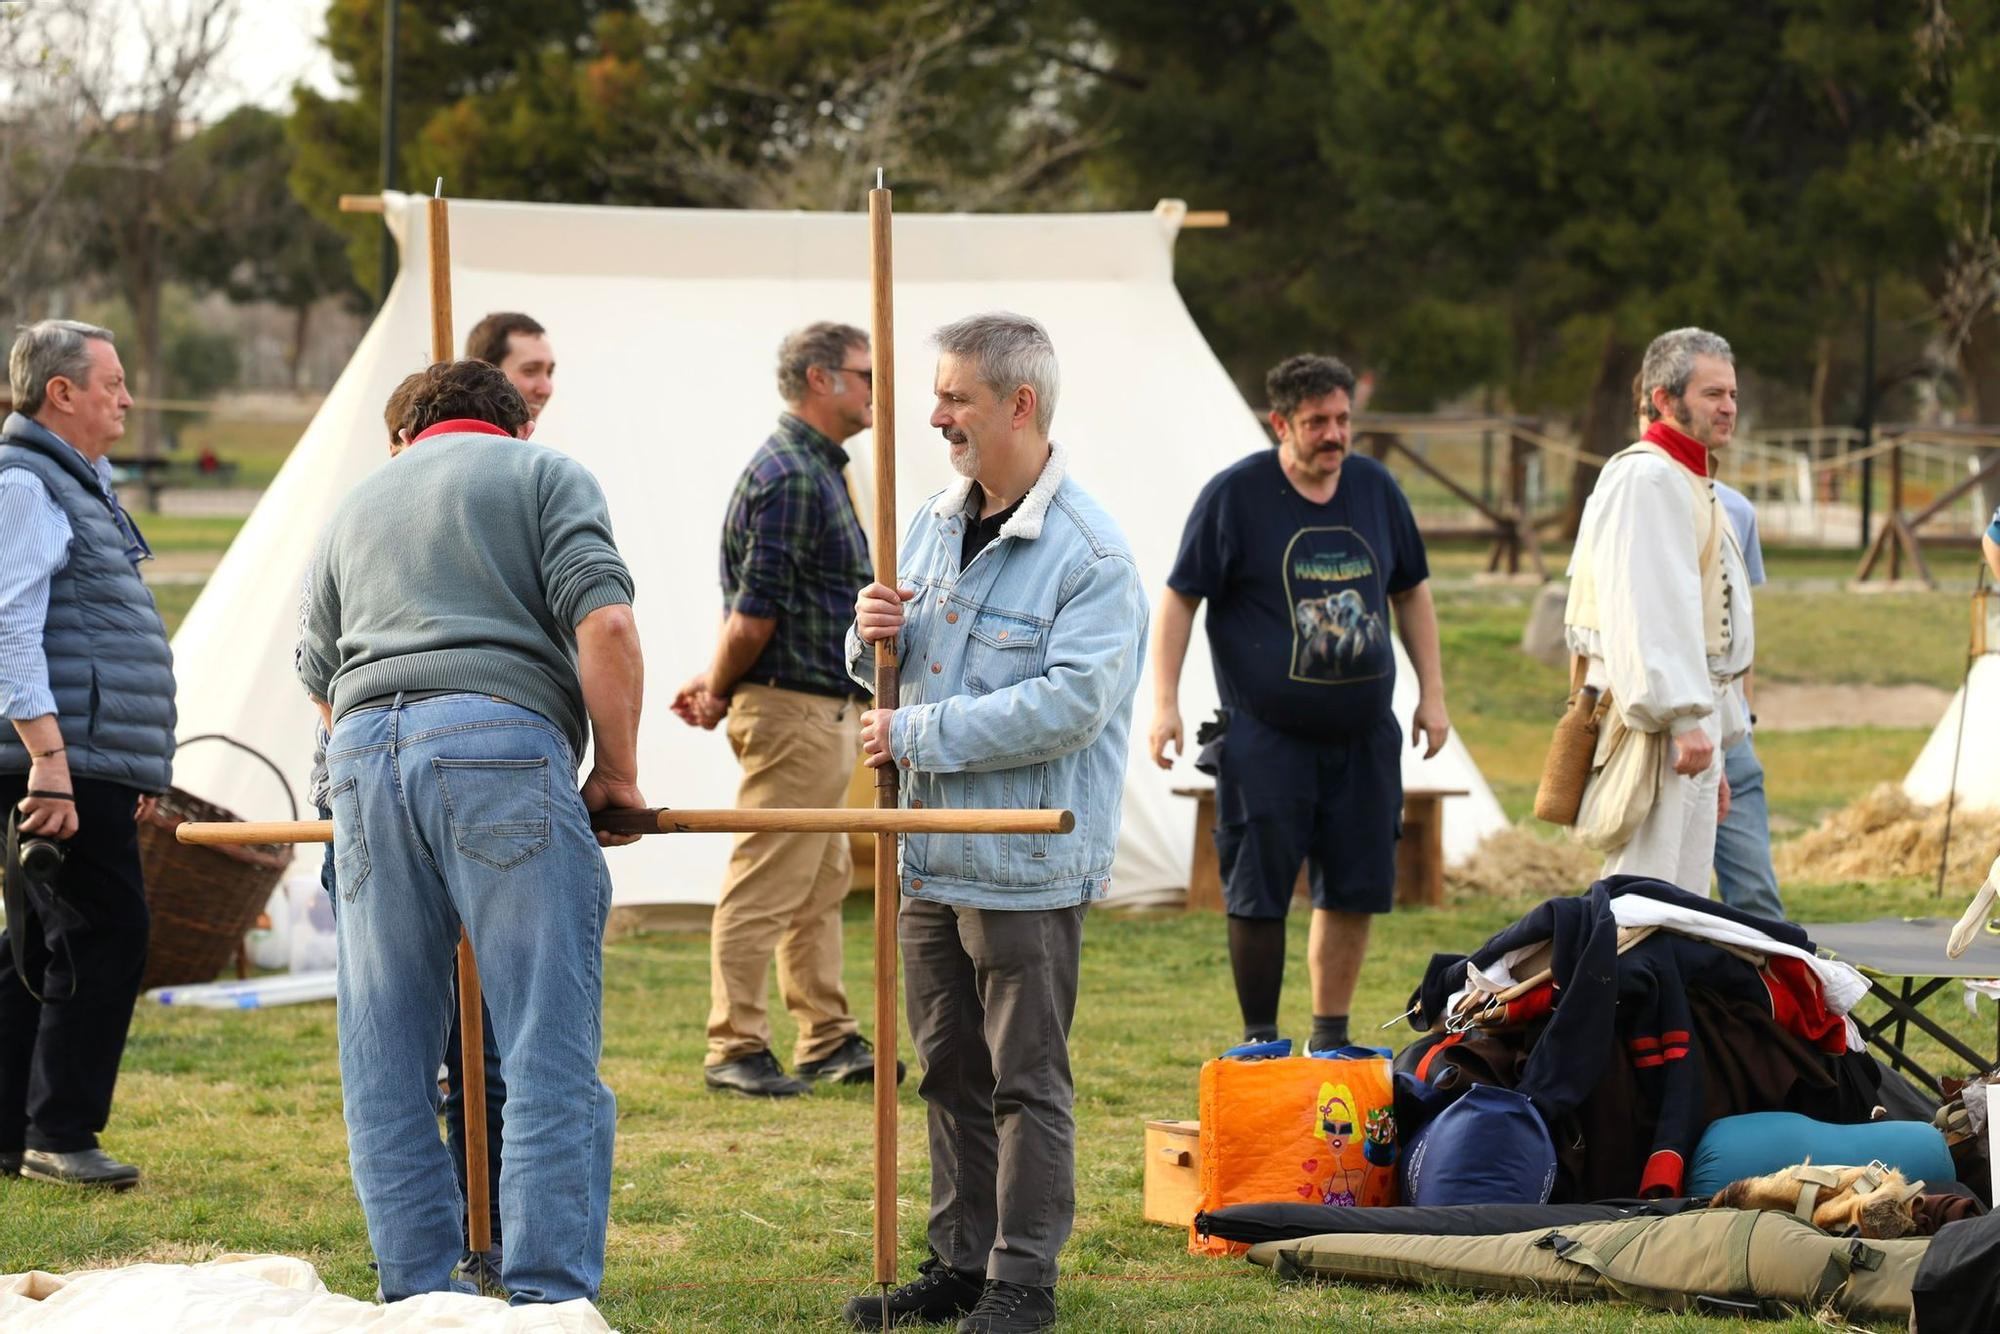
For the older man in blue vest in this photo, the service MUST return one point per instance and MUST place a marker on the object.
(87, 684)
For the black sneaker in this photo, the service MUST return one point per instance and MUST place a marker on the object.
(852, 1062)
(758, 1075)
(940, 1294)
(10, 1164)
(1010, 1308)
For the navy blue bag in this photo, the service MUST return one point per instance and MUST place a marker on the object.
(1488, 1147)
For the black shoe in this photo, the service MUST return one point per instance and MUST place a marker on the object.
(10, 1164)
(1010, 1308)
(940, 1294)
(85, 1167)
(759, 1075)
(852, 1062)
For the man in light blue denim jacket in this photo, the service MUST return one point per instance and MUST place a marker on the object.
(1020, 625)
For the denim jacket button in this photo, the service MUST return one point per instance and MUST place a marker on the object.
(906, 764)
(916, 803)
(916, 884)
(951, 618)
(936, 667)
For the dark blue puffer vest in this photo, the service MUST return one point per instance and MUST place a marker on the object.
(109, 666)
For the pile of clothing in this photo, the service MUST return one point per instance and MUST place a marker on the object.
(1632, 1016)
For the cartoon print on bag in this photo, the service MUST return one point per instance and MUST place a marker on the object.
(1344, 1186)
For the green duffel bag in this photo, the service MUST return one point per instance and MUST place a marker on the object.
(1705, 1261)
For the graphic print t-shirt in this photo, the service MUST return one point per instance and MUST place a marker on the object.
(1298, 593)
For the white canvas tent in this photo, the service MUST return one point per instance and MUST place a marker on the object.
(1929, 781)
(665, 325)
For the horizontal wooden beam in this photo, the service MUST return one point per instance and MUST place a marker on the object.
(1215, 217)
(361, 204)
(670, 820)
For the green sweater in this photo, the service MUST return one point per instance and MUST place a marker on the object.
(463, 564)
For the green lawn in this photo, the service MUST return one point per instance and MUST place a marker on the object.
(727, 1214)
(732, 1215)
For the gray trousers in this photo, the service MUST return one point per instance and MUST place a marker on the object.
(991, 995)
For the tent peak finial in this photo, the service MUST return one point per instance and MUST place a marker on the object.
(437, 191)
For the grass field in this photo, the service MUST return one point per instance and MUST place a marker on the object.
(732, 1215)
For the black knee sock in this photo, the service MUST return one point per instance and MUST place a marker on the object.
(1257, 958)
(1329, 1032)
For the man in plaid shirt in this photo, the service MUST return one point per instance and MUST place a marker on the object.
(793, 553)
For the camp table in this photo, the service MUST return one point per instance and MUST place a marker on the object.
(1909, 952)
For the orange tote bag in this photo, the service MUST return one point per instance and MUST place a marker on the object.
(1296, 1130)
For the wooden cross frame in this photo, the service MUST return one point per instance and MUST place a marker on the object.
(885, 822)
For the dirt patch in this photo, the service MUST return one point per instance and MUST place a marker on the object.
(1522, 863)
(1884, 836)
(1798, 706)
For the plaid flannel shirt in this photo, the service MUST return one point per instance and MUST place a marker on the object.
(793, 550)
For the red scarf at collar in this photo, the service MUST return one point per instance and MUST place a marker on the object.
(464, 426)
(1687, 451)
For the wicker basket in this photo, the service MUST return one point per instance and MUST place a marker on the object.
(203, 899)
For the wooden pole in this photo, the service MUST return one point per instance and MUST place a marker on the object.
(888, 885)
(671, 820)
(471, 1015)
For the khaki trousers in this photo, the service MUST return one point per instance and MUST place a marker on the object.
(782, 893)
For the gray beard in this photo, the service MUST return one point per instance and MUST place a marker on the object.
(965, 460)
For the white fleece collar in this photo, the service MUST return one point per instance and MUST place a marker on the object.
(1027, 521)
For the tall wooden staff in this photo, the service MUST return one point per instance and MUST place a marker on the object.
(888, 889)
(471, 1013)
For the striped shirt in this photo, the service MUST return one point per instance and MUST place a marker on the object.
(34, 546)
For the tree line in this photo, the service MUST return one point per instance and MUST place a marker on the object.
(1501, 199)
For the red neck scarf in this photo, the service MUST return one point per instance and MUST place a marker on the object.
(464, 426)
(1687, 451)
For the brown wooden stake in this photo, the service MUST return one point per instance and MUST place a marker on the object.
(471, 1017)
(888, 887)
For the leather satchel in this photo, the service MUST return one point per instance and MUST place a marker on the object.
(1572, 751)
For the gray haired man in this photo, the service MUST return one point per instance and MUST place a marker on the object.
(1659, 603)
(87, 682)
(1020, 624)
(792, 555)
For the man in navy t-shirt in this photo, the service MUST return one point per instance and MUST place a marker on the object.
(1302, 552)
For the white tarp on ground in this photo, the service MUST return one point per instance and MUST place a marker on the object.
(666, 324)
(256, 1292)
(1929, 781)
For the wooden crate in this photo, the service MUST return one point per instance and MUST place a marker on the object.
(1173, 1171)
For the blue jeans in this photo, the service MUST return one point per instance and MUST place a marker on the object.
(463, 809)
(454, 1064)
(1743, 841)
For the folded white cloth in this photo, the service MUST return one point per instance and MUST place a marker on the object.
(256, 1293)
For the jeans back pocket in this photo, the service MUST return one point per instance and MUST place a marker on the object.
(498, 809)
(350, 841)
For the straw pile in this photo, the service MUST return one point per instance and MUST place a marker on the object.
(1886, 836)
(1521, 863)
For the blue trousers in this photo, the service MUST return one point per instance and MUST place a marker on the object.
(463, 809)
(1743, 841)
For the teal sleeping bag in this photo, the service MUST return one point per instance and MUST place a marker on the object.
(1759, 1143)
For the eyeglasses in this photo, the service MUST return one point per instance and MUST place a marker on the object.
(867, 376)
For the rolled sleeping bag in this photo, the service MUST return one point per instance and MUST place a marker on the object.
(1756, 1144)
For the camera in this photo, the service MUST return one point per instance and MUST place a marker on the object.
(41, 858)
